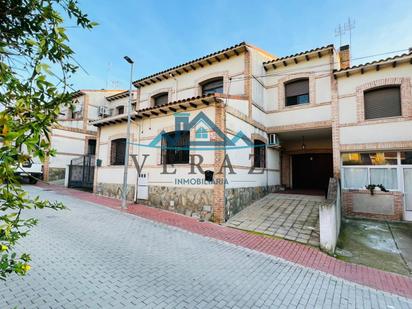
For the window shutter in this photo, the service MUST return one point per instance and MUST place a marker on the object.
(161, 98)
(121, 150)
(383, 102)
(113, 153)
(117, 151)
(214, 85)
(297, 88)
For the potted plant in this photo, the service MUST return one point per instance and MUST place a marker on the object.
(371, 188)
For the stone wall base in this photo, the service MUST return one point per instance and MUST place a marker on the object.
(195, 202)
(239, 198)
(114, 190)
(380, 206)
(56, 173)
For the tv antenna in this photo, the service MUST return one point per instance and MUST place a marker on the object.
(339, 31)
(349, 26)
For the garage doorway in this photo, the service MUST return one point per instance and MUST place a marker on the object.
(312, 171)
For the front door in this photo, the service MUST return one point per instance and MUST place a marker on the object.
(312, 171)
(407, 189)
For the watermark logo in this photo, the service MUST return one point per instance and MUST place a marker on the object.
(197, 136)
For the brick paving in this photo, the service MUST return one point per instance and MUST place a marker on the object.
(287, 216)
(96, 257)
(290, 251)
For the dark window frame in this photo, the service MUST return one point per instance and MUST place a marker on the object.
(120, 110)
(370, 113)
(212, 85)
(298, 99)
(160, 98)
(259, 154)
(91, 146)
(175, 147)
(117, 151)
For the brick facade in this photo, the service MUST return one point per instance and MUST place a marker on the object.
(406, 97)
(219, 186)
(349, 211)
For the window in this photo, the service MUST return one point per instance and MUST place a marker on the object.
(388, 177)
(297, 92)
(360, 177)
(355, 178)
(91, 147)
(201, 133)
(133, 107)
(214, 85)
(120, 110)
(160, 99)
(382, 102)
(372, 158)
(362, 169)
(175, 147)
(406, 157)
(118, 151)
(259, 154)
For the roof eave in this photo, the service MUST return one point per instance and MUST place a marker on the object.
(168, 108)
(376, 65)
(294, 59)
(192, 65)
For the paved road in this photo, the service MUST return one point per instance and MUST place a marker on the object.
(94, 257)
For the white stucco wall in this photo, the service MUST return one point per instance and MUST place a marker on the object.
(319, 109)
(149, 129)
(383, 130)
(187, 84)
(242, 162)
(68, 145)
(300, 116)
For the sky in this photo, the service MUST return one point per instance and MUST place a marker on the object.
(160, 34)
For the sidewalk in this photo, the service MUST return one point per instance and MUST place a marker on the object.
(290, 251)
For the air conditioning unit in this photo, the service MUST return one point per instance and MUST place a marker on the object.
(273, 139)
(103, 111)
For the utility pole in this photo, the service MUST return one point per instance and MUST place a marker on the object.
(126, 152)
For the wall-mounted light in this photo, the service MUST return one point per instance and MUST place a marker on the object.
(303, 143)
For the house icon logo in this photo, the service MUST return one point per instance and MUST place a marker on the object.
(206, 135)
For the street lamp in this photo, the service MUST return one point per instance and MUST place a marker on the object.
(126, 153)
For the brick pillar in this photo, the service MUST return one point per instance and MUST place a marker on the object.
(219, 186)
(344, 57)
(248, 83)
(335, 124)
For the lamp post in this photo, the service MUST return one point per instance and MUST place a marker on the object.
(126, 152)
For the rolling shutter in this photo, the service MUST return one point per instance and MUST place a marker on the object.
(383, 102)
(297, 88)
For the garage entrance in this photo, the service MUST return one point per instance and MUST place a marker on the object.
(312, 171)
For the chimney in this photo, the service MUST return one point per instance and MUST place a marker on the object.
(344, 57)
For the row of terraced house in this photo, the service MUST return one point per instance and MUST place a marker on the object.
(285, 123)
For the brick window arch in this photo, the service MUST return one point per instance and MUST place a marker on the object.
(402, 83)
